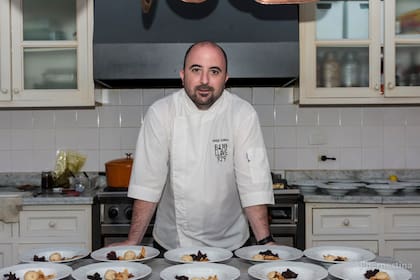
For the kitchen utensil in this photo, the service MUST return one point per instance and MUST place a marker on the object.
(118, 171)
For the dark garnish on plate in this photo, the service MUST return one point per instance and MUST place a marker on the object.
(289, 274)
(268, 253)
(200, 257)
(95, 276)
(181, 277)
(39, 259)
(112, 256)
(370, 273)
(10, 276)
(340, 259)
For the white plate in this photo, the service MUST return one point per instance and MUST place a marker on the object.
(285, 253)
(100, 255)
(223, 272)
(305, 271)
(356, 270)
(139, 270)
(70, 253)
(352, 253)
(213, 254)
(59, 270)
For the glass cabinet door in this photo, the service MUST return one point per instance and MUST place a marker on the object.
(4, 52)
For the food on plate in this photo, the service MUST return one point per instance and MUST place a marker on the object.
(335, 258)
(10, 276)
(55, 257)
(111, 274)
(266, 256)
(37, 275)
(128, 255)
(199, 257)
(183, 277)
(377, 275)
(287, 274)
(95, 276)
(39, 259)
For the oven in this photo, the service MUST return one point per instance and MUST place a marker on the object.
(112, 212)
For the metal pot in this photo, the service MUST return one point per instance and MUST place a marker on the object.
(118, 172)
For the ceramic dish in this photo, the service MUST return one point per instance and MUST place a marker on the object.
(410, 187)
(385, 189)
(352, 254)
(356, 270)
(67, 254)
(308, 186)
(222, 271)
(58, 270)
(305, 271)
(285, 253)
(138, 270)
(213, 254)
(340, 189)
(101, 254)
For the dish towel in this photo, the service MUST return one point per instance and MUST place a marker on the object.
(10, 207)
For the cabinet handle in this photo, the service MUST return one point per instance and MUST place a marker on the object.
(16, 90)
(51, 224)
(390, 85)
(377, 86)
(346, 222)
(4, 90)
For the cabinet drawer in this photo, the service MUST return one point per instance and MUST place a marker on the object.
(402, 220)
(60, 223)
(5, 230)
(345, 221)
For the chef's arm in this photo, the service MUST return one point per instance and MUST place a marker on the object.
(142, 214)
(258, 219)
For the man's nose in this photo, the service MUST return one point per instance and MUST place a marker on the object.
(204, 78)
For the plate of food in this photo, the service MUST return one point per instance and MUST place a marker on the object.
(202, 271)
(125, 253)
(268, 253)
(112, 271)
(36, 271)
(287, 270)
(54, 254)
(338, 254)
(198, 254)
(369, 270)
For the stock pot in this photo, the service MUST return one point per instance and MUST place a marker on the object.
(118, 171)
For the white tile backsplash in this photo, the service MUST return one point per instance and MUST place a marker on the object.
(359, 137)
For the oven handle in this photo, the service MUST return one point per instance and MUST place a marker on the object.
(295, 213)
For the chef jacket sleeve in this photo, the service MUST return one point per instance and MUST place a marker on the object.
(150, 165)
(252, 169)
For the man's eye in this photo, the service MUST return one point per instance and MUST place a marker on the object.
(195, 69)
(215, 72)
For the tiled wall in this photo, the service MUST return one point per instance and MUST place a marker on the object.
(358, 137)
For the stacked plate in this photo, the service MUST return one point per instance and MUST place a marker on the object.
(386, 189)
(340, 189)
(342, 254)
(308, 186)
(50, 270)
(120, 251)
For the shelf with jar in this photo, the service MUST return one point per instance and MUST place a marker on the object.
(349, 53)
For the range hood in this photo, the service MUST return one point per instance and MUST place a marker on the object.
(135, 49)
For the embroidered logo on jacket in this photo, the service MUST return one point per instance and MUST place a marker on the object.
(221, 149)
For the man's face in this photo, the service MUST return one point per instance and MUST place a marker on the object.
(204, 75)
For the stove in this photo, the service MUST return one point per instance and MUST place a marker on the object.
(112, 213)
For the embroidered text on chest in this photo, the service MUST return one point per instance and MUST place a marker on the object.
(221, 149)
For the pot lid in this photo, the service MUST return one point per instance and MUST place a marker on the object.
(128, 160)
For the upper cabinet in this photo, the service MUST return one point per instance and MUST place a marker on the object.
(46, 53)
(360, 52)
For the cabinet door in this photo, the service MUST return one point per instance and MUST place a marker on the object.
(402, 48)
(340, 50)
(5, 255)
(4, 51)
(52, 54)
(406, 252)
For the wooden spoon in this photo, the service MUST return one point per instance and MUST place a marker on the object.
(146, 5)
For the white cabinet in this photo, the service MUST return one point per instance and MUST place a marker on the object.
(386, 230)
(349, 53)
(46, 53)
(45, 226)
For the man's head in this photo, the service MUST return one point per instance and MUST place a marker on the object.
(205, 73)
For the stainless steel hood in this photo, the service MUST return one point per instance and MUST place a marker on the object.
(135, 49)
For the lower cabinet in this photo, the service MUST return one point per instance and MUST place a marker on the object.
(386, 230)
(45, 226)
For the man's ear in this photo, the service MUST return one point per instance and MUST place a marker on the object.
(181, 75)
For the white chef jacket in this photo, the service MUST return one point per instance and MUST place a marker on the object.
(204, 166)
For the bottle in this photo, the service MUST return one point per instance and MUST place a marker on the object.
(331, 70)
(350, 71)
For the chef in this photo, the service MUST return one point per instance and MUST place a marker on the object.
(200, 159)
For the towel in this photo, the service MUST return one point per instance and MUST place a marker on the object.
(10, 207)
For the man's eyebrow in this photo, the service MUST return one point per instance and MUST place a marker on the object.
(195, 65)
(216, 68)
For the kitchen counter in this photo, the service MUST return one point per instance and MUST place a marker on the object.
(159, 264)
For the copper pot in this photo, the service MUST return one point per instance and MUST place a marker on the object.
(118, 172)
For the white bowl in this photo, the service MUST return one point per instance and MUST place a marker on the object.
(410, 187)
(340, 189)
(308, 186)
(385, 189)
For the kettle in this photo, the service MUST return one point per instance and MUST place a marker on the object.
(118, 171)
